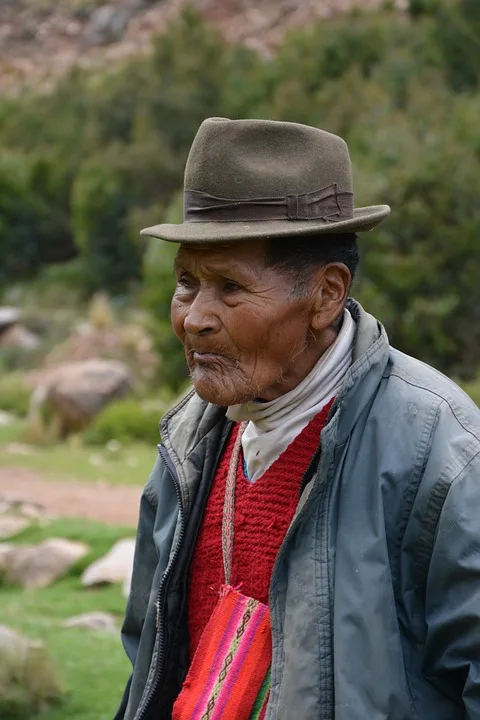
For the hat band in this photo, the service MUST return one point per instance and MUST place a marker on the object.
(325, 204)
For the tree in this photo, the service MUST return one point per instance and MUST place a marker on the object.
(101, 204)
(19, 226)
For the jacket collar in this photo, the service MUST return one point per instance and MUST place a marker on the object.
(371, 351)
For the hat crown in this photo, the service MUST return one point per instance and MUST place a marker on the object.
(256, 179)
(264, 158)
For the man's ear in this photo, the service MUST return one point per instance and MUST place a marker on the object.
(330, 286)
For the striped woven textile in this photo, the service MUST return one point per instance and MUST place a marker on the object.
(229, 678)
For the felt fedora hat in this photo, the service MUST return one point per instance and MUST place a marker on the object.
(249, 179)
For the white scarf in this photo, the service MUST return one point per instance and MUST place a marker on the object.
(275, 424)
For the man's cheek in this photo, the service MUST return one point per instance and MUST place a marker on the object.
(176, 319)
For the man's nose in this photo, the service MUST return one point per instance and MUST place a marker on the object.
(201, 318)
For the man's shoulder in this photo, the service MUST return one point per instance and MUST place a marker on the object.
(191, 418)
(415, 382)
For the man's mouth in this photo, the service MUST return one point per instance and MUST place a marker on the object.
(206, 358)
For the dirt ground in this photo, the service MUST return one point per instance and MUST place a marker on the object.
(116, 505)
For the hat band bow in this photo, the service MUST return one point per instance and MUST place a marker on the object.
(326, 204)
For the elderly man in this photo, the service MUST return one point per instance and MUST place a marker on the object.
(309, 539)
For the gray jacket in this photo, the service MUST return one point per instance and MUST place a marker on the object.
(375, 593)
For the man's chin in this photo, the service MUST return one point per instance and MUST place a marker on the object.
(215, 392)
(213, 395)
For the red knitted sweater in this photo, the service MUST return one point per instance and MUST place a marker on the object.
(263, 512)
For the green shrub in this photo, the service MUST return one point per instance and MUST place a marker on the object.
(423, 7)
(14, 394)
(34, 195)
(59, 285)
(457, 34)
(127, 421)
(100, 216)
(19, 221)
(28, 682)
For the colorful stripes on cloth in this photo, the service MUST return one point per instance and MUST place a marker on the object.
(229, 678)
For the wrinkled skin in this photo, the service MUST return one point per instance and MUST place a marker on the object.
(246, 334)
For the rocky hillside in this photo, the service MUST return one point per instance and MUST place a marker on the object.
(41, 39)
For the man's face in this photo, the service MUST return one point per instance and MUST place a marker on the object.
(245, 334)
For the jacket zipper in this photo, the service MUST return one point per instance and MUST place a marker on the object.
(318, 494)
(145, 706)
(295, 522)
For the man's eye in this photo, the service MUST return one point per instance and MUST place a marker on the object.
(185, 281)
(230, 286)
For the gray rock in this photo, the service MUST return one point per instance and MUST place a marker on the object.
(11, 525)
(5, 550)
(33, 511)
(12, 643)
(5, 505)
(98, 621)
(114, 567)
(9, 504)
(9, 316)
(18, 336)
(127, 583)
(78, 391)
(6, 419)
(107, 25)
(38, 566)
(28, 677)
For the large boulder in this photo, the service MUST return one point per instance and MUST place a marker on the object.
(114, 567)
(78, 391)
(38, 566)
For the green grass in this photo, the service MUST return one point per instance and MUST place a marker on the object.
(131, 465)
(10, 433)
(91, 665)
(99, 536)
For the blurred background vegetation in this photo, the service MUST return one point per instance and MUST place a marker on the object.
(85, 166)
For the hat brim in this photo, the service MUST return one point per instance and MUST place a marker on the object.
(206, 232)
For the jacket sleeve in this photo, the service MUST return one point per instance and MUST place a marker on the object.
(144, 567)
(452, 648)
